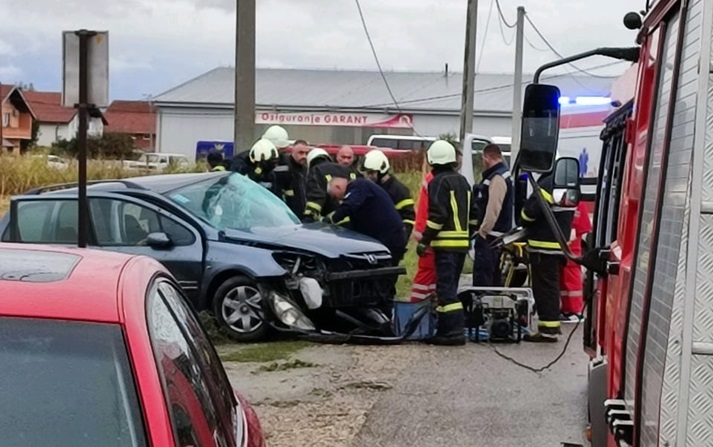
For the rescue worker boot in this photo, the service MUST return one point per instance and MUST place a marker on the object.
(544, 335)
(450, 331)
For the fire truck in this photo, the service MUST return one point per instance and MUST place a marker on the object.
(649, 330)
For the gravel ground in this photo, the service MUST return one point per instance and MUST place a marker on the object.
(324, 405)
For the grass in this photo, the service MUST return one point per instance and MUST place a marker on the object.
(265, 352)
(286, 366)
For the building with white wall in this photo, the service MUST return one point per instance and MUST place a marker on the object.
(343, 106)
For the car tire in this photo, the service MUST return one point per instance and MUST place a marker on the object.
(239, 309)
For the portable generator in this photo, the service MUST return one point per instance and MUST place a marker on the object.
(498, 314)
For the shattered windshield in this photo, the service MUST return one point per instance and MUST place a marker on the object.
(234, 202)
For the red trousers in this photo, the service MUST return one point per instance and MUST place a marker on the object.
(424, 283)
(572, 283)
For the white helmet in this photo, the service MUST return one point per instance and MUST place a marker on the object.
(441, 152)
(263, 150)
(278, 136)
(315, 154)
(376, 160)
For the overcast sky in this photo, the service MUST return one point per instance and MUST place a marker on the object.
(157, 44)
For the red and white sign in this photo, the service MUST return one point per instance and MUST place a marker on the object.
(399, 121)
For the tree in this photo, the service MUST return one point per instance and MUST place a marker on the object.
(26, 87)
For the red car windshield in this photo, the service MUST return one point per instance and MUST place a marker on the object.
(66, 383)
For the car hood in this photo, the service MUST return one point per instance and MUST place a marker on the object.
(326, 240)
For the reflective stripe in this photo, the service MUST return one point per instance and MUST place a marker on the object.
(289, 193)
(420, 296)
(526, 217)
(433, 225)
(453, 307)
(328, 178)
(426, 287)
(352, 176)
(486, 182)
(417, 234)
(344, 221)
(409, 222)
(425, 184)
(449, 243)
(548, 197)
(454, 208)
(574, 294)
(473, 221)
(404, 203)
(506, 174)
(448, 234)
(218, 168)
(315, 206)
(544, 244)
(281, 169)
(496, 233)
(549, 324)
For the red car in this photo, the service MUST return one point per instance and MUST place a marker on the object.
(102, 349)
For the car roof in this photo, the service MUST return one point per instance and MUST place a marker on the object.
(159, 184)
(40, 281)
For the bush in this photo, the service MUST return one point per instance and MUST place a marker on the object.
(112, 146)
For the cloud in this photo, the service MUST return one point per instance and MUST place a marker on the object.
(180, 39)
(10, 74)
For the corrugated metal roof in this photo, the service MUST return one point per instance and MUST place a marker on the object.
(344, 89)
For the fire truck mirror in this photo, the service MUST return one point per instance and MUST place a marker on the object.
(566, 173)
(566, 197)
(540, 128)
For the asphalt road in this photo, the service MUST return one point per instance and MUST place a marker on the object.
(471, 397)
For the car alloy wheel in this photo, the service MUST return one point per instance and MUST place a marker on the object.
(239, 309)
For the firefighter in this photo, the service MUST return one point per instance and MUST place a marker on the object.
(370, 212)
(291, 175)
(546, 258)
(321, 169)
(377, 168)
(259, 164)
(215, 161)
(571, 281)
(495, 205)
(451, 222)
(278, 136)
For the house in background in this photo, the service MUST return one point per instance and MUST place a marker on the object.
(136, 118)
(57, 122)
(16, 119)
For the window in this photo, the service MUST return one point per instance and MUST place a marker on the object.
(32, 219)
(198, 410)
(234, 202)
(121, 223)
(147, 137)
(6, 120)
(68, 383)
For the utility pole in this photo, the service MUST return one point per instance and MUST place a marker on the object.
(471, 26)
(244, 130)
(2, 122)
(517, 84)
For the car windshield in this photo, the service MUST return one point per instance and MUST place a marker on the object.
(234, 202)
(66, 383)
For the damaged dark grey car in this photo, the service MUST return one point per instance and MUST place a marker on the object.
(236, 249)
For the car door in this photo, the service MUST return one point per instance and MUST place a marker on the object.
(200, 398)
(201, 414)
(130, 225)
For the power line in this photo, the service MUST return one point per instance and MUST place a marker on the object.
(485, 37)
(501, 21)
(502, 16)
(489, 89)
(557, 53)
(378, 64)
(530, 44)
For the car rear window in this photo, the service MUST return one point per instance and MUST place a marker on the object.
(66, 383)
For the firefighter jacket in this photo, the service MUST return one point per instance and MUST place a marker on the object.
(401, 196)
(540, 237)
(495, 216)
(371, 212)
(243, 165)
(422, 208)
(452, 212)
(318, 203)
(291, 180)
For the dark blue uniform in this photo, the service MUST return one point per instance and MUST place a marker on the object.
(371, 212)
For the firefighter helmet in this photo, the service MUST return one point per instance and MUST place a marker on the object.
(263, 150)
(441, 152)
(315, 154)
(376, 160)
(278, 136)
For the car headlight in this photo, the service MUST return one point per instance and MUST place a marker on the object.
(289, 314)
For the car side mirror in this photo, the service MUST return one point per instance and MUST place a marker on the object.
(158, 240)
(540, 128)
(566, 197)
